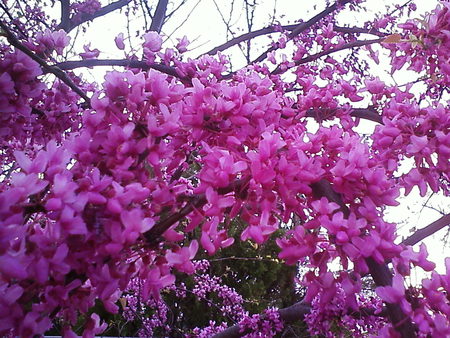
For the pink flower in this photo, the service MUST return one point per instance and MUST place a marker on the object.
(375, 86)
(153, 41)
(89, 53)
(13, 267)
(297, 247)
(392, 294)
(135, 224)
(155, 280)
(213, 239)
(324, 207)
(419, 258)
(417, 144)
(217, 203)
(182, 44)
(119, 41)
(181, 258)
(93, 326)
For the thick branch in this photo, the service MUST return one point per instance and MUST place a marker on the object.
(380, 272)
(46, 67)
(70, 65)
(159, 16)
(429, 230)
(367, 114)
(65, 14)
(358, 43)
(382, 276)
(363, 113)
(89, 17)
(304, 26)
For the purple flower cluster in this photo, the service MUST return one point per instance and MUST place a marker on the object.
(267, 324)
(334, 318)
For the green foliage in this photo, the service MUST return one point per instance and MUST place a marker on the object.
(255, 271)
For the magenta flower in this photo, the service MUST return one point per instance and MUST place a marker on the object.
(375, 86)
(419, 258)
(417, 144)
(119, 41)
(392, 294)
(134, 224)
(154, 281)
(153, 41)
(182, 258)
(182, 44)
(89, 53)
(217, 202)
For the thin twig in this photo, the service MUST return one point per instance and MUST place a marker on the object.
(227, 25)
(6, 10)
(185, 19)
(276, 29)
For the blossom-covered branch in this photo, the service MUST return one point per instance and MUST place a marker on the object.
(304, 26)
(379, 271)
(45, 66)
(350, 45)
(278, 29)
(152, 236)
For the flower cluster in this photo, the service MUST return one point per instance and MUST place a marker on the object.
(262, 325)
(333, 317)
(426, 47)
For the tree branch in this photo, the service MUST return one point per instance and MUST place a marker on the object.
(429, 230)
(159, 16)
(379, 271)
(65, 14)
(275, 29)
(304, 26)
(367, 114)
(363, 113)
(46, 67)
(89, 17)
(70, 65)
(358, 43)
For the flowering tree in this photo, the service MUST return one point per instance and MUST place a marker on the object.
(105, 187)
